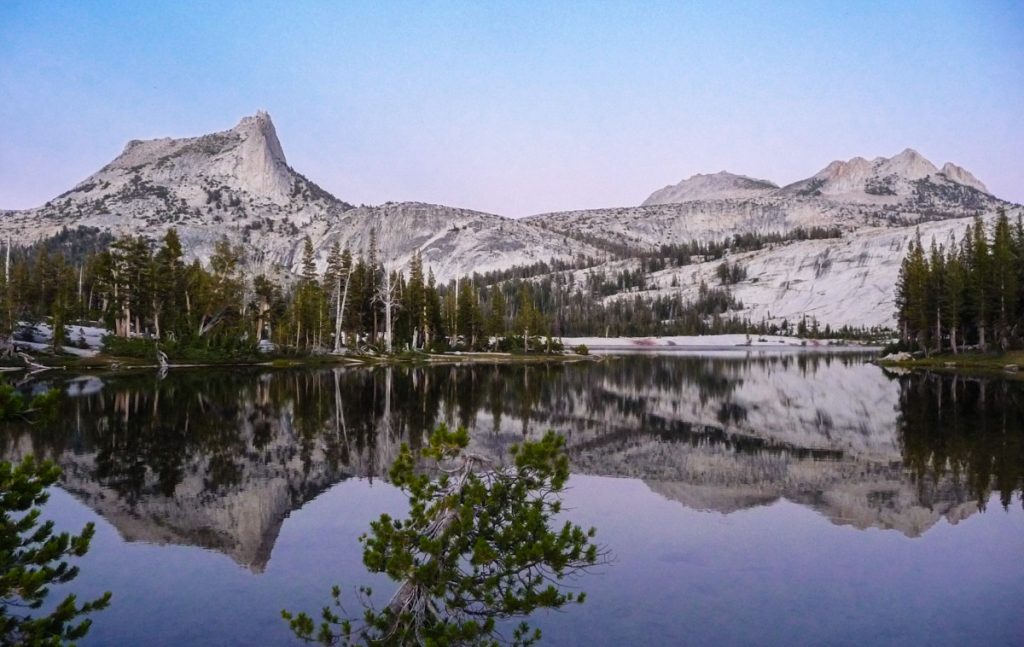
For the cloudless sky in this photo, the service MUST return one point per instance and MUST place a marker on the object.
(516, 107)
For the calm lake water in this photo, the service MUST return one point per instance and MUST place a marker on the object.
(772, 499)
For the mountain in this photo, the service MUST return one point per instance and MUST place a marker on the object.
(709, 187)
(904, 189)
(881, 180)
(238, 183)
(453, 242)
(902, 177)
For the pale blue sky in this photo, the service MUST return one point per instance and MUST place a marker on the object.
(516, 107)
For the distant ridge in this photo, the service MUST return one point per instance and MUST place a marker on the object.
(709, 187)
(856, 180)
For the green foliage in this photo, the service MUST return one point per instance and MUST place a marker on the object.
(212, 350)
(14, 405)
(478, 546)
(964, 293)
(32, 559)
(582, 350)
(730, 273)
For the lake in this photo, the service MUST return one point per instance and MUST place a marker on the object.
(781, 498)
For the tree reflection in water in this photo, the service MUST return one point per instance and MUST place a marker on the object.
(967, 427)
(218, 458)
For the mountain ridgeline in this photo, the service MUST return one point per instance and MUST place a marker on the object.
(236, 186)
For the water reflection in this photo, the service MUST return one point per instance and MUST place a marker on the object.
(219, 458)
(965, 427)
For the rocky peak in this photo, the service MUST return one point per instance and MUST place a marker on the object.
(258, 164)
(962, 176)
(882, 179)
(712, 186)
(908, 164)
(246, 161)
(260, 128)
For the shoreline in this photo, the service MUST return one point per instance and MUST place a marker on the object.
(1008, 364)
(598, 349)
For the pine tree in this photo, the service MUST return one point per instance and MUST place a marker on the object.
(528, 320)
(468, 314)
(32, 559)
(916, 297)
(168, 284)
(435, 312)
(1004, 279)
(220, 293)
(953, 295)
(936, 290)
(60, 304)
(416, 302)
(496, 320)
(980, 282)
(460, 558)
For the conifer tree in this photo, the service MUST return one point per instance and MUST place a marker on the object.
(528, 320)
(980, 282)
(953, 295)
(416, 302)
(496, 319)
(1004, 279)
(480, 544)
(168, 285)
(32, 558)
(435, 328)
(936, 289)
(468, 314)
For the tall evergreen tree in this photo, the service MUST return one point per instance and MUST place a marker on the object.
(168, 285)
(1004, 283)
(980, 282)
(953, 295)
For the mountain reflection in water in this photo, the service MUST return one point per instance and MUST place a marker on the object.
(219, 458)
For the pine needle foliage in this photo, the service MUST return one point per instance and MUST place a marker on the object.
(32, 558)
(479, 546)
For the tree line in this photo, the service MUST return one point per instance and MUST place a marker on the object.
(144, 291)
(139, 290)
(964, 294)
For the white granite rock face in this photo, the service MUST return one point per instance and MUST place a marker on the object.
(713, 186)
(238, 184)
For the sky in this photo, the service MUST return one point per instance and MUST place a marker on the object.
(518, 107)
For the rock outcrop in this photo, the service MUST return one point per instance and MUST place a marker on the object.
(238, 184)
(709, 187)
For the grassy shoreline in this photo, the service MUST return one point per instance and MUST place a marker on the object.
(1008, 363)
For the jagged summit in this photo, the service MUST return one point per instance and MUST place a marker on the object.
(711, 186)
(908, 175)
(247, 158)
(237, 184)
(961, 175)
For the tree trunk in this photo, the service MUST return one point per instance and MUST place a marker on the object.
(341, 311)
